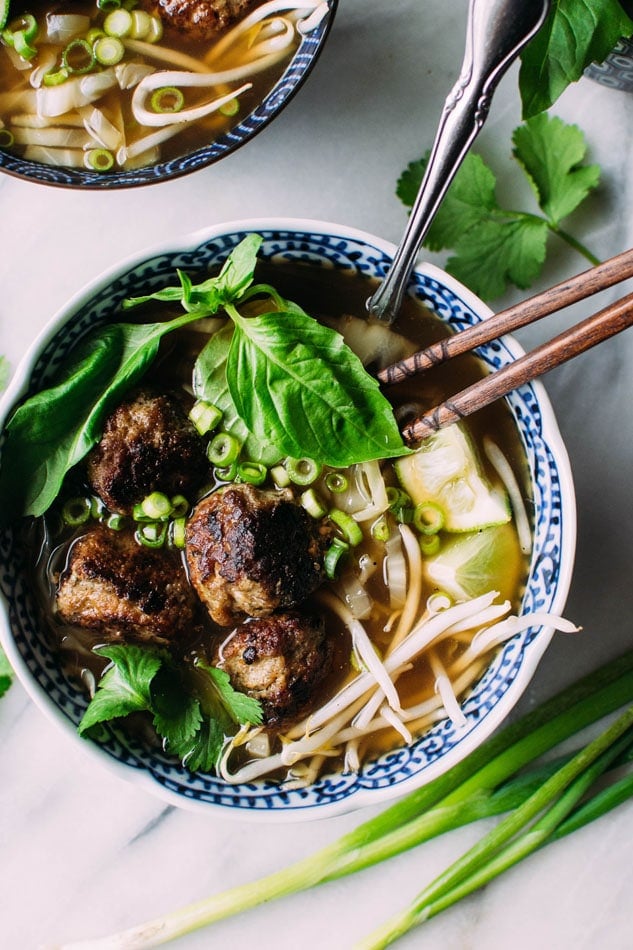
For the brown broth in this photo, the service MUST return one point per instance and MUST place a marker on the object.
(337, 295)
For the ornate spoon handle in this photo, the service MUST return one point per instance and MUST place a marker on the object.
(497, 30)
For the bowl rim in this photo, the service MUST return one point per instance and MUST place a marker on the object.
(263, 112)
(533, 650)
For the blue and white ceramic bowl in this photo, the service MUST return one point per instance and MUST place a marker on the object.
(324, 246)
(243, 131)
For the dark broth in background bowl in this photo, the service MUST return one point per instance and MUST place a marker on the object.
(328, 275)
(72, 132)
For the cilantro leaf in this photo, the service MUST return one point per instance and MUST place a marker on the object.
(241, 708)
(125, 686)
(494, 246)
(176, 711)
(575, 34)
(6, 673)
(551, 154)
(201, 752)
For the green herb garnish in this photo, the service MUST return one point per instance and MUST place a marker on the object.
(494, 246)
(501, 776)
(6, 673)
(285, 384)
(193, 711)
(575, 34)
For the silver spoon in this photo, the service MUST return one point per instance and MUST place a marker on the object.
(497, 31)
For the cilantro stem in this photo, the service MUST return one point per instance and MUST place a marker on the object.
(577, 246)
(479, 786)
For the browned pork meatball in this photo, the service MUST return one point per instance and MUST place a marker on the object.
(251, 552)
(201, 19)
(148, 444)
(124, 591)
(279, 660)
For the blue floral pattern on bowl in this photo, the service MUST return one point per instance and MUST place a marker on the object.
(282, 92)
(491, 698)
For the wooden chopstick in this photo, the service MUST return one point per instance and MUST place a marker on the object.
(602, 325)
(583, 285)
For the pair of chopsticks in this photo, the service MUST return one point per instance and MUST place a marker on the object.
(602, 325)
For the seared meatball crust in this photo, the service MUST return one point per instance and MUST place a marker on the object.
(201, 19)
(148, 444)
(123, 591)
(251, 552)
(280, 660)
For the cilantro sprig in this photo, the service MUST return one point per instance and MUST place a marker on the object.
(192, 710)
(494, 246)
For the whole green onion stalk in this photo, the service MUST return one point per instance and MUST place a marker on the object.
(485, 784)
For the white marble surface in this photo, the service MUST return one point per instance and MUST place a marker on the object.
(84, 853)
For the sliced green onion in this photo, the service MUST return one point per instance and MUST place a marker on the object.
(94, 33)
(108, 50)
(336, 482)
(428, 517)
(6, 138)
(397, 498)
(167, 99)
(108, 4)
(333, 555)
(223, 449)
(230, 108)
(151, 535)
(254, 473)
(17, 39)
(155, 30)
(177, 532)
(227, 473)
(380, 530)
(97, 508)
(118, 23)
(179, 506)
(430, 544)
(280, 476)
(99, 159)
(205, 416)
(78, 57)
(56, 78)
(156, 506)
(303, 471)
(115, 521)
(141, 24)
(352, 531)
(76, 511)
(4, 12)
(313, 504)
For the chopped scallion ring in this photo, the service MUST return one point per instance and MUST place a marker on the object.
(56, 78)
(230, 108)
(430, 544)
(253, 473)
(302, 471)
(99, 159)
(108, 50)
(313, 504)
(4, 12)
(20, 35)
(336, 482)
(108, 4)
(352, 531)
(6, 138)
(94, 33)
(428, 518)
(380, 530)
(115, 521)
(226, 474)
(156, 506)
(177, 533)
(179, 506)
(205, 416)
(167, 99)
(118, 23)
(76, 511)
(78, 58)
(155, 30)
(141, 25)
(151, 535)
(223, 449)
(280, 476)
(333, 555)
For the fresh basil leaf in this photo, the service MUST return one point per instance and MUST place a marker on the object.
(125, 686)
(210, 384)
(241, 708)
(6, 673)
(56, 428)
(212, 294)
(551, 154)
(295, 383)
(575, 34)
